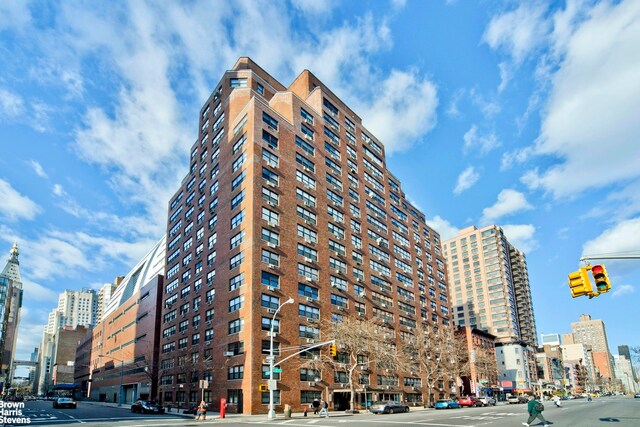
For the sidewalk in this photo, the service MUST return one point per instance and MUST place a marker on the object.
(215, 416)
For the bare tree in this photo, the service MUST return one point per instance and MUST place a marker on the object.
(486, 365)
(361, 344)
(456, 361)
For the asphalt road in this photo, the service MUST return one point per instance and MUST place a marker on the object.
(616, 411)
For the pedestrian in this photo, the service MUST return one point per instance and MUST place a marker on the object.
(316, 406)
(324, 409)
(202, 411)
(535, 409)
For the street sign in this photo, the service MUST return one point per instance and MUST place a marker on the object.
(204, 384)
(277, 370)
(273, 384)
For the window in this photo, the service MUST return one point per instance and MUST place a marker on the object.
(307, 132)
(236, 303)
(236, 260)
(306, 164)
(235, 202)
(308, 216)
(237, 163)
(237, 82)
(237, 219)
(270, 121)
(270, 196)
(270, 257)
(307, 252)
(236, 326)
(270, 140)
(271, 237)
(269, 301)
(307, 291)
(260, 90)
(236, 281)
(235, 373)
(270, 177)
(238, 180)
(237, 239)
(270, 158)
(305, 146)
(306, 116)
(270, 216)
(270, 279)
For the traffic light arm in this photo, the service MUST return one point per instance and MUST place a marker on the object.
(610, 256)
(305, 349)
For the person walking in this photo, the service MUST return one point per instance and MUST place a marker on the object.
(324, 409)
(316, 406)
(202, 411)
(535, 409)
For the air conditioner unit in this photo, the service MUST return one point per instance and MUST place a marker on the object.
(333, 285)
(272, 203)
(310, 340)
(272, 223)
(307, 259)
(227, 353)
(337, 271)
(207, 343)
(271, 245)
(208, 322)
(272, 266)
(309, 299)
(358, 279)
(308, 203)
(271, 310)
(271, 288)
(309, 120)
(312, 384)
(360, 314)
(307, 168)
(353, 170)
(341, 308)
(309, 137)
(308, 221)
(208, 302)
(272, 184)
(311, 320)
(384, 305)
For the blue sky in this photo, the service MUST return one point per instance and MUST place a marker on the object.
(523, 114)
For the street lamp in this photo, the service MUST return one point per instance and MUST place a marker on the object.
(272, 412)
(121, 375)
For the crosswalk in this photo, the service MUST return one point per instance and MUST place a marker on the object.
(36, 415)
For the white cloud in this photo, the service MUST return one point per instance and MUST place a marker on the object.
(518, 32)
(14, 205)
(522, 236)
(38, 292)
(623, 237)
(590, 120)
(37, 168)
(313, 7)
(14, 13)
(443, 227)
(58, 190)
(466, 180)
(32, 322)
(11, 104)
(483, 143)
(517, 156)
(403, 110)
(452, 109)
(621, 290)
(509, 202)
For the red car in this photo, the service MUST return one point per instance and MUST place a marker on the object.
(469, 401)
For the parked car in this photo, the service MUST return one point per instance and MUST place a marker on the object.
(64, 402)
(488, 401)
(636, 396)
(388, 407)
(147, 407)
(514, 399)
(447, 404)
(469, 401)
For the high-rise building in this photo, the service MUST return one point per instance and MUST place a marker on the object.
(104, 297)
(287, 196)
(593, 334)
(11, 295)
(623, 350)
(490, 290)
(624, 372)
(75, 308)
(550, 339)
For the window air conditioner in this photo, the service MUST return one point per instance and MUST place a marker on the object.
(227, 353)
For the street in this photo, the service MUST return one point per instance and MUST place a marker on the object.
(622, 411)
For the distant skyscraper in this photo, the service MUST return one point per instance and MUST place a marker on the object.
(104, 297)
(11, 283)
(593, 334)
(75, 308)
(489, 284)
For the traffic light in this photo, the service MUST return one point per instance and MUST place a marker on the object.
(263, 388)
(600, 278)
(333, 350)
(579, 283)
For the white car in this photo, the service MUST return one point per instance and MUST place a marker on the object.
(488, 401)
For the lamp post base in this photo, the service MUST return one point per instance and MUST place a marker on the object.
(272, 414)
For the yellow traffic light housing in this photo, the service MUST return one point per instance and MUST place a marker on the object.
(333, 350)
(579, 283)
(263, 388)
(600, 278)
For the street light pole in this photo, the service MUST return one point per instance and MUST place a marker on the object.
(272, 412)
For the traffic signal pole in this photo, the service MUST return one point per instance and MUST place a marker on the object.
(579, 282)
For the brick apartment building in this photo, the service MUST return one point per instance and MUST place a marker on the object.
(287, 196)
